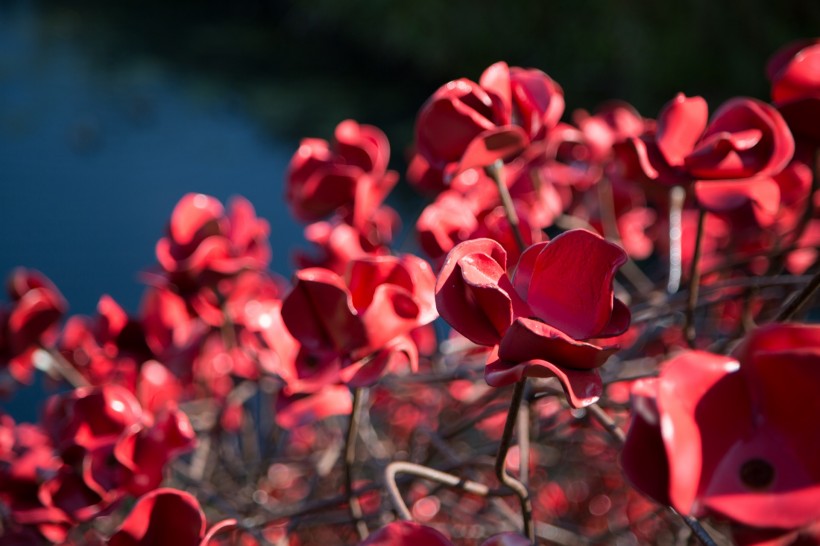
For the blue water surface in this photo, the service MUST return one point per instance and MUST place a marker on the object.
(92, 163)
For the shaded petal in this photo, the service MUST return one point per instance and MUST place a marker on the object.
(524, 271)
(163, 516)
(795, 71)
(643, 457)
(304, 409)
(450, 119)
(497, 144)
(762, 194)
(365, 146)
(406, 533)
(496, 80)
(619, 321)
(582, 387)
(226, 525)
(319, 313)
(539, 100)
(193, 213)
(424, 286)
(528, 339)
(778, 338)
(401, 351)
(366, 274)
(473, 292)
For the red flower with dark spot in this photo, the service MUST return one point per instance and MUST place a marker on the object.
(733, 436)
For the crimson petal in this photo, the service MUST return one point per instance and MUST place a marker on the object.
(497, 144)
(573, 291)
(163, 516)
(582, 387)
(680, 125)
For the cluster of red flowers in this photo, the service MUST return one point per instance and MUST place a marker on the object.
(616, 259)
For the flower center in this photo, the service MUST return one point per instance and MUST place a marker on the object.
(757, 474)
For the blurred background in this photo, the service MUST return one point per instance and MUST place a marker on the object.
(111, 111)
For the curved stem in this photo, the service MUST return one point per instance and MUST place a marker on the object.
(494, 171)
(598, 413)
(524, 441)
(354, 506)
(694, 283)
(514, 485)
(403, 467)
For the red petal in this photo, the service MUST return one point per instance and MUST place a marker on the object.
(619, 321)
(700, 400)
(451, 119)
(163, 516)
(496, 80)
(795, 71)
(680, 125)
(319, 313)
(528, 339)
(582, 387)
(367, 273)
(304, 409)
(571, 288)
(497, 144)
(393, 312)
(722, 196)
(643, 457)
(193, 213)
(473, 292)
(400, 352)
(524, 271)
(406, 533)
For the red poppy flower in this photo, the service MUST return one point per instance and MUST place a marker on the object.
(543, 322)
(466, 124)
(108, 348)
(335, 244)
(733, 436)
(350, 173)
(204, 244)
(359, 324)
(731, 158)
(29, 321)
(613, 122)
(90, 417)
(528, 97)
(795, 75)
(27, 461)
